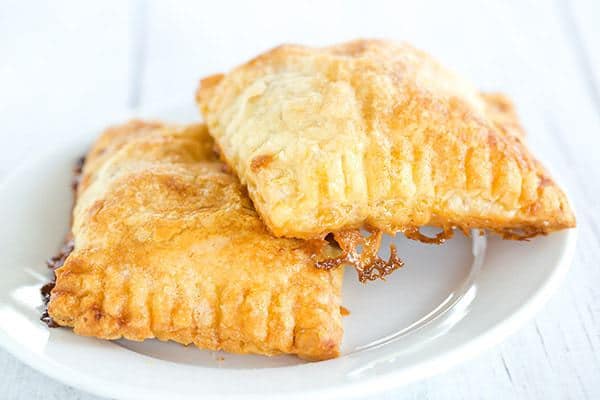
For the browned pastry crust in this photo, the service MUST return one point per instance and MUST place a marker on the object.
(374, 133)
(168, 246)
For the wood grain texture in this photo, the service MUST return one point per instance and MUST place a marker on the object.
(20, 382)
(542, 53)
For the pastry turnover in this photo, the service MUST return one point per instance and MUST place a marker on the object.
(376, 134)
(167, 245)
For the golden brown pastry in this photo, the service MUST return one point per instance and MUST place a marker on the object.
(377, 134)
(167, 245)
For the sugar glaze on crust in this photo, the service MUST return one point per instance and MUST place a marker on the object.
(167, 245)
(379, 134)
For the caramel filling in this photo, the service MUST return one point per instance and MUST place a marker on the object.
(58, 260)
(369, 266)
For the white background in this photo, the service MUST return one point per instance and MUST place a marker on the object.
(62, 63)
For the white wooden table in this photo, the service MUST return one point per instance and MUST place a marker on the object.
(64, 62)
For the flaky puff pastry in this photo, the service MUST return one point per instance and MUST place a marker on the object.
(377, 134)
(167, 245)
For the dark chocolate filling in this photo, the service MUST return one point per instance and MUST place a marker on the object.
(58, 260)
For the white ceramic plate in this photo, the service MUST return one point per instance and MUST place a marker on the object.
(440, 309)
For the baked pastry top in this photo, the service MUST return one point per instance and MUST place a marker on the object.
(377, 134)
(167, 245)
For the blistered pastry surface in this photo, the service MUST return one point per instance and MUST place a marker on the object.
(379, 134)
(167, 245)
